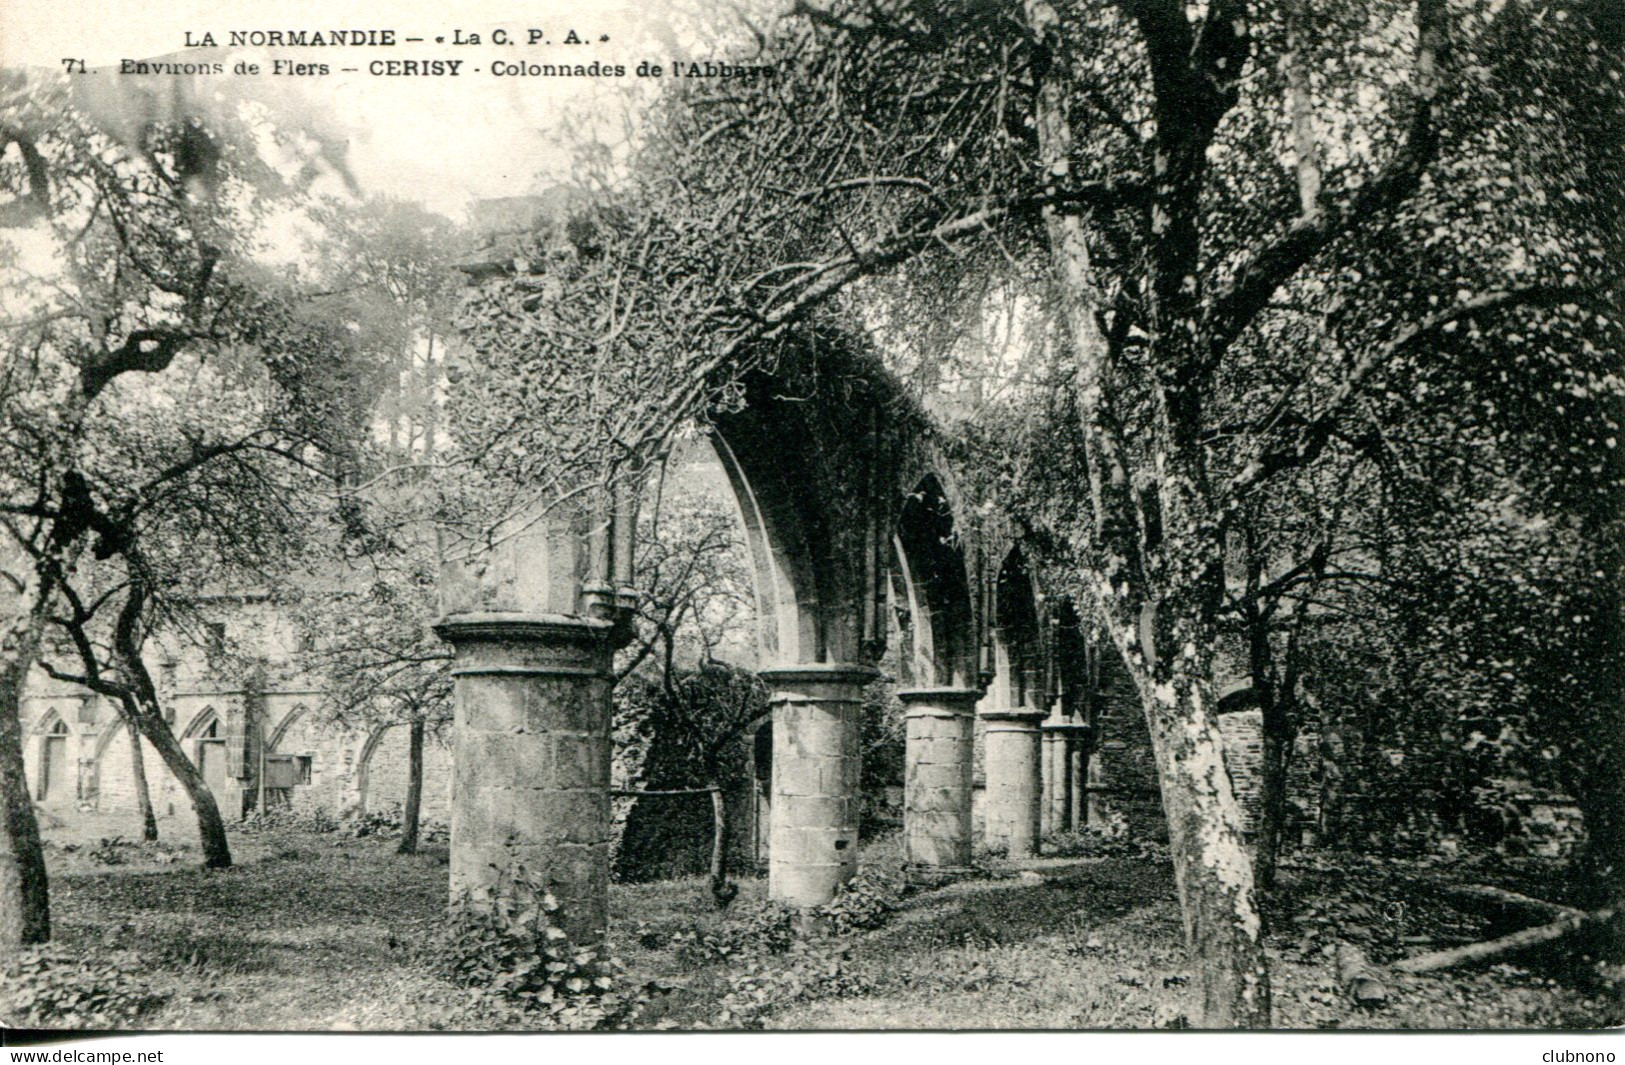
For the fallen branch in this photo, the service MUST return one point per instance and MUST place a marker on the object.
(1501, 903)
(1361, 979)
(1492, 949)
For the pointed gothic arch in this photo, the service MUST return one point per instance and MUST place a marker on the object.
(933, 588)
(205, 724)
(54, 776)
(274, 741)
(1019, 673)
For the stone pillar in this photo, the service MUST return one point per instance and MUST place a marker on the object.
(1077, 775)
(1054, 739)
(817, 772)
(1013, 803)
(937, 793)
(531, 784)
(1062, 740)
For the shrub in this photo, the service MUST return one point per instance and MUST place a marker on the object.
(388, 823)
(865, 902)
(1110, 840)
(816, 969)
(316, 820)
(505, 942)
(768, 929)
(114, 851)
(373, 823)
(46, 987)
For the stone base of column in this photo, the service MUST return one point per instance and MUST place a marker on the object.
(940, 724)
(531, 769)
(1014, 786)
(817, 774)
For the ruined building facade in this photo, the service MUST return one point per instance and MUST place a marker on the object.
(256, 732)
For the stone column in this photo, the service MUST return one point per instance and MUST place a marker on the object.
(817, 771)
(1061, 741)
(1013, 781)
(1053, 818)
(531, 784)
(937, 776)
(1077, 776)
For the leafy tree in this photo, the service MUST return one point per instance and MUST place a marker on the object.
(1253, 241)
(694, 592)
(691, 727)
(388, 268)
(159, 395)
(378, 659)
(682, 713)
(386, 274)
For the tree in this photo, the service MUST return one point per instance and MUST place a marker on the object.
(104, 448)
(378, 659)
(387, 268)
(118, 670)
(194, 481)
(387, 275)
(694, 591)
(690, 728)
(681, 713)
(1134, 154)
(138, 775)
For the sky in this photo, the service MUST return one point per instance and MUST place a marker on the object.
(438, 140)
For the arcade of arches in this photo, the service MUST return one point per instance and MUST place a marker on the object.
(850, 514)
(858, 560)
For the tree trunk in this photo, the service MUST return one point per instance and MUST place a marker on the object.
(1478, 953)
(414, 790)
(1278, 713)
(1212, 868)
(138, 770)
(719, 848)
(25, 905)
(1277, 752)
(149, 716)
(210, 828)
(1211, 865)
(1276, 728)
(1358, 978)
(1503, 907)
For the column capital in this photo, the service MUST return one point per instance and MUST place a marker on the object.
(818, 680)
(533, 644)
(949, 702)
(1019, 718)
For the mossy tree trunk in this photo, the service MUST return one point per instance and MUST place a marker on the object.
(25, 904)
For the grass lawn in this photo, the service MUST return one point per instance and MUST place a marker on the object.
(317, 931)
